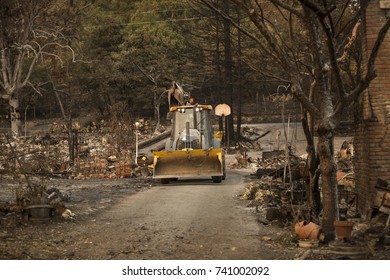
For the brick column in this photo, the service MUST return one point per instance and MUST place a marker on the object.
(372, 135)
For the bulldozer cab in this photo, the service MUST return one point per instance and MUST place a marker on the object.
(192, 120)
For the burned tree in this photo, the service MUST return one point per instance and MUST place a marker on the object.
(313, 42)
(30, 31)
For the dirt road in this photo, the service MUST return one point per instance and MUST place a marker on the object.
(185, 220)
(192, 219)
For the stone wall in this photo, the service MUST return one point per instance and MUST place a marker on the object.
(372, 135)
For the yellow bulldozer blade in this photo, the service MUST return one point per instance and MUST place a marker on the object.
(187, 163)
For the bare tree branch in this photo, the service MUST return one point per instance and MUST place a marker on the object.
(371, 73)
(264, 73)
(320, 11)
(226, 17)
(287, 7)
(351, 40)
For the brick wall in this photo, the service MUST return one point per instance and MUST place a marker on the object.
(372, 136)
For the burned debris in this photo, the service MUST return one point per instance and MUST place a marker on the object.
(93, 152)
(28, 166)
(279, 191)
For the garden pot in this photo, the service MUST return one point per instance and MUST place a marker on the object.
(343, 229)
(39, 212)
(307, 230)
(243, 161)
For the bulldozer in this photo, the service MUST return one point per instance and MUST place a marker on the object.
(192, 150)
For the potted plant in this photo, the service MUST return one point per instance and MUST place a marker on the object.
(343, 228)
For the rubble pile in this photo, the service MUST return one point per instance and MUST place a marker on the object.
(96, 156)
(101, 167)
(264, 192)
(99, 149)
(34, 154)
(280, 177)
(276, 199)
(277, 164)
(250, 139)
(103, 153)
(101, 156)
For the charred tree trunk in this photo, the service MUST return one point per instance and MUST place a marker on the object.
(16, 121)
(239, 106)
(96, 99)
(328, 184)
(156, 106)
(239, 114)
(311, 164)
(228, 70)
(217, 62)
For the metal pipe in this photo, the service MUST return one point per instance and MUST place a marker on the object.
(195, 117)
(136, 142)
(188, 139)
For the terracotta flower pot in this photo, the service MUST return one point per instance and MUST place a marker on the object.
(243, 161)
(343, 229)
(307, 230)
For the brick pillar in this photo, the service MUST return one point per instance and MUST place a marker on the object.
(372, 135)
